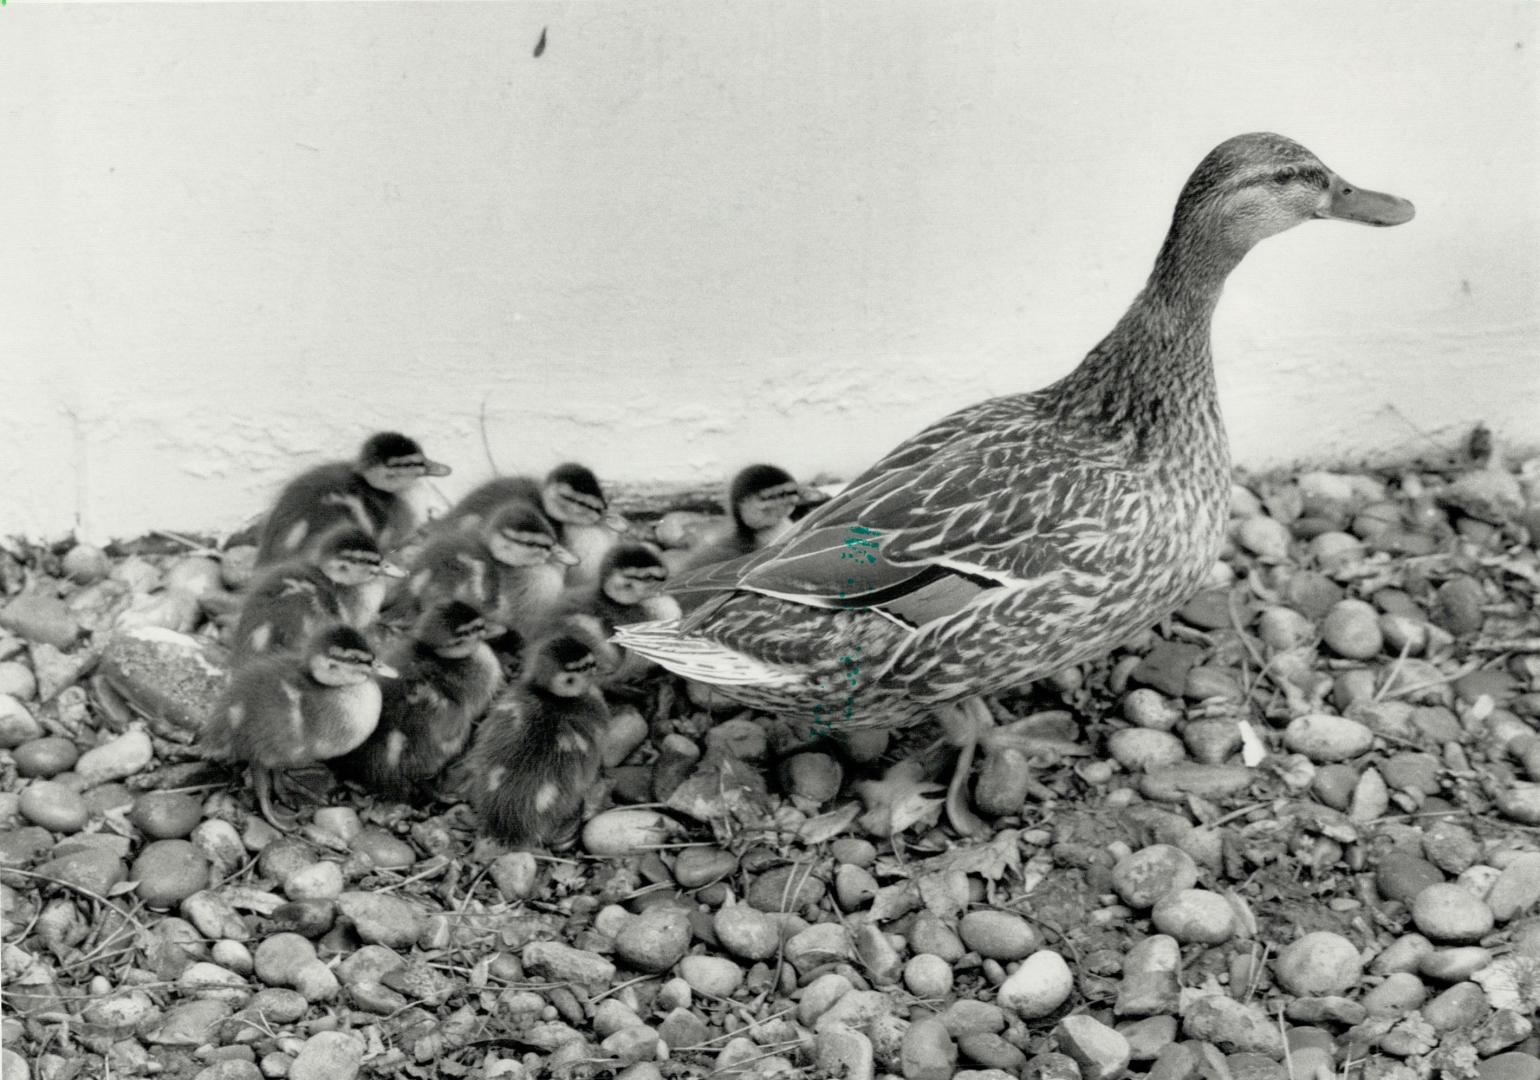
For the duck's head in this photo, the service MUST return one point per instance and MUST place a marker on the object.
(454, 628)
(520, 535)
(1255, 186)
(390, 461)
(350, 557)
(762, 497)
(338, 655)
(572, 495)
(631, 573)
(563, 665)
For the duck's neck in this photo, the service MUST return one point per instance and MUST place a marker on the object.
(1152, 377)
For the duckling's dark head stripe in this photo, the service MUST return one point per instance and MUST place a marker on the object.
(581, 480)
(392, 448)
(351, 543)
(521, 517)
(572, 653)
(762, 480)
(631, 557)
(352, 656)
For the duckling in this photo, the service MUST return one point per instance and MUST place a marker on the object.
(447, 678)
(537, 752)
(760, 502)
(570, 497)
(287, 602)
(290, 710)
(513, 569)
(368, 493)
(628, 590)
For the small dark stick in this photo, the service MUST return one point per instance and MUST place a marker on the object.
(540, 45)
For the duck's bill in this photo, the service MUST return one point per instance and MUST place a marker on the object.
(384, 670)
(390, 569)
(615, 523)
(1348, 203)
(493, 630)
(436, 468)
(563, 556)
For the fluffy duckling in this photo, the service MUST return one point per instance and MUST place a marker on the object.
(368, 493)
(296, 709)
(285, 604)
(760, 502)
(513, 569)
(447, 676)
(569, 496)
(628, 589)
(538, 752)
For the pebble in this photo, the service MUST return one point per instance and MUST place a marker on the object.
(929, 934)
(1151, 977)
(221, 846)
(928, 976)
(45, 757)
(699, 866)
(1151, 709)
(631, 1045)
(329, 1055)
(214, 916)
(1038, 987)
(1403, 954)
(1322, 737)
(1207, 781)
(1517, 889)
(845, 1052)
(192, 1023)
(655, 940)
(92, 869)
(124, 756)
(515, 875)
(1141, 749)
(998, 935)
(1264, 537)
(169, 871)
(1401, 876)
(819, 944)
(747, 932)
(990, 1050)
(1453, 965)
(1234, 1027)
(878, 956)
(173, 678)
(1510, 1066)
(1458, 605)
(17, 680)
(857, 1009)
(40, 617)
(1101, 1052)
(928, 1051)
(1450, 913)
(1194, 916)
(13, 1066)
(563, 963)
(715, 975)
(205, 979)
(383, 849)
(819, 996)
(53, 806)
(622, 832)
(1521, 803)
(1399, 994)
(382, 918)
(318, 881)
(1166, 665)
(854, 886)
(1004, 782)
(279, 958)
(1461, 1006)
(1319, 963)
(165, 815)
(16, 724)
(1146, 875)
(1283, 628)
(1148, 1037)
(1352, 630)
(966, 1016)
(231, 1069)
(786, 888)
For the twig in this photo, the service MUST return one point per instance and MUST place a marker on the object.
(98, 897)
(486, 444)
(772, 1052)
(1395, 669)
(620, 986)
(187, 541)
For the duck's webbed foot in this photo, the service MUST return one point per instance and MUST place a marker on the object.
(964, 724)
(262, 784)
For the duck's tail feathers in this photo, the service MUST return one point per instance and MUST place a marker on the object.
(697, 658)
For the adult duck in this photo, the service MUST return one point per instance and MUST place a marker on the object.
(1026, 533)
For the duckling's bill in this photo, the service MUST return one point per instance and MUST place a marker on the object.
(1344, 202)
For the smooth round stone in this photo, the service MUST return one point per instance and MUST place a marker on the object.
(17, 725)
(747, 932)
(1450, 913)
(1334, 785)
(106, 798)
(1454, 965)
(1403, 954)
(855, 851)
(998, 935)
(1151, 709)
(53, 806)
(1513, 1065)
(45, 757)
(1322, 737)
(1194, 915)
(385, 850)
(169, 871)
(94, 869)
(1319, 964)
(318, 881)
(1401, 876)
(785, 888)
(1038, 987)
(340, 821)
(283, 856)
(1461, 1007)
(928, 976)
(1412, 772)
(1283, 628)
(655, 940)
(700, 866)
(165, 815)
(1263, 536)
(1150, 873)
(17, 680)
(928, 1052)
(279, 958)
(930, 935)
(1521, 804)
(1138, 749)
(1399, 994)
(991, 1051)
(715, 975)
(382, 918)
(1352, 629)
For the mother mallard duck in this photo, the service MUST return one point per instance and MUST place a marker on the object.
(1026, 533)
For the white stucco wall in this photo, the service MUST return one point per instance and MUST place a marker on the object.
(236, 238)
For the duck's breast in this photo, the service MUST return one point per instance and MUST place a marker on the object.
(342, 718)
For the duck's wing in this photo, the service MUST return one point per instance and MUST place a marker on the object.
(921, 541)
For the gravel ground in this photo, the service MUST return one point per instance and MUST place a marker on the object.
(1290, 833)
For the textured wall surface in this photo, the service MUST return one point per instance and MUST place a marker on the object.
(236, 238)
